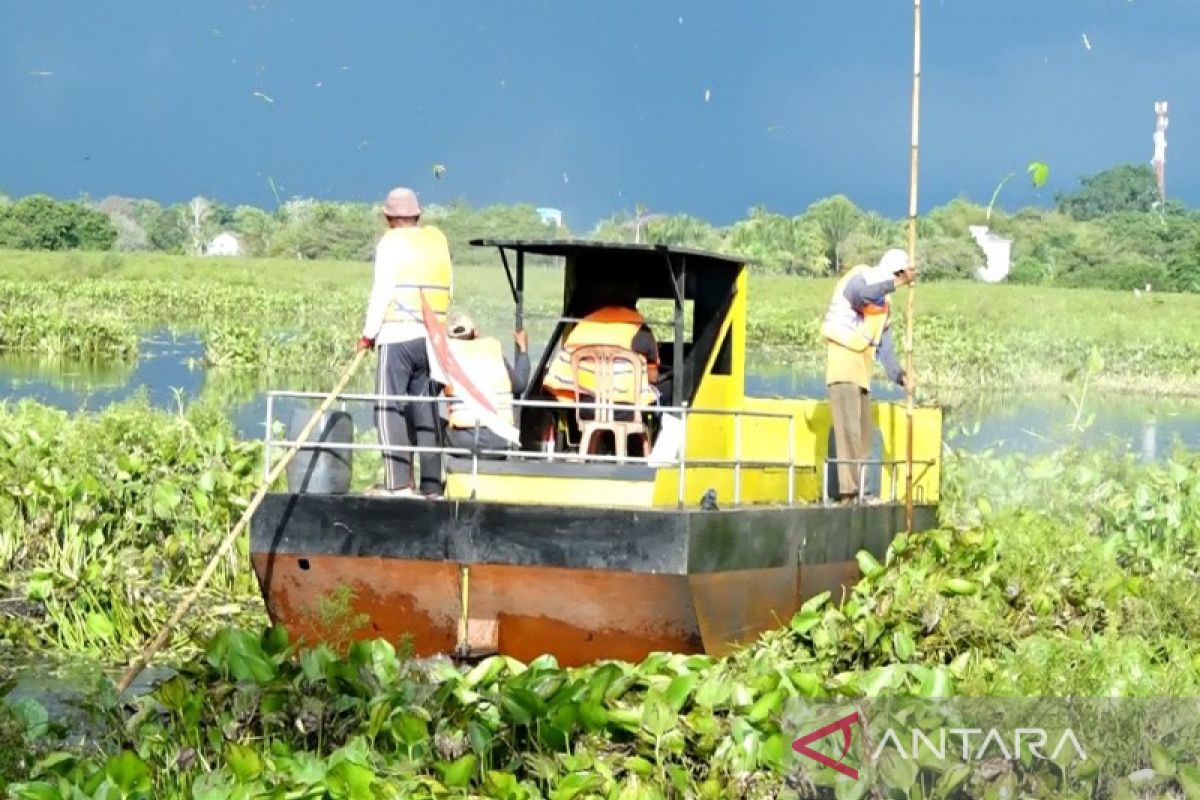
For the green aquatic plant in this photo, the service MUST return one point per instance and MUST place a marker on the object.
(1039, 173)
(333, 616)
(1066, 575)
(105, 519)
(275, 320)
(1078, 392)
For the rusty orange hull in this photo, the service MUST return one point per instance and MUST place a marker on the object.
(583, 585)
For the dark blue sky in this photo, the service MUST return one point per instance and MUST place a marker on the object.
(589, 107)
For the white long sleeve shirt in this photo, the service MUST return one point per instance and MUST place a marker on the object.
(392, 254)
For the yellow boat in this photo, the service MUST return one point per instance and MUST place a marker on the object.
(591, 557)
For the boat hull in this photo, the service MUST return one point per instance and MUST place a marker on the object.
(583, 584)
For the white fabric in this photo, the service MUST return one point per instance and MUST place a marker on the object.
(390, 255)
(841, 315)
(894, 260)
(879, 274)
(669, 443)
(445, 369)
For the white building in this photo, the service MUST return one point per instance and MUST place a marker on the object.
(224, 244)
(550, 216)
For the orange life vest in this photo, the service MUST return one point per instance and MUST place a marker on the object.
(612, 325)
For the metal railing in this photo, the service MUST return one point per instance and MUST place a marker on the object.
(680, 460)
(863, 463)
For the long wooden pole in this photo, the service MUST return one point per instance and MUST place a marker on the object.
(157, 643)
(912, 260)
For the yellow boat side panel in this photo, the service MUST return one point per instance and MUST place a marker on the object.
(551, 490)
(758, 485)
(891, 418)
(812, 437)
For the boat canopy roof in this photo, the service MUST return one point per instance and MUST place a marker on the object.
(652, 263)
(642, 253)
(701, 284)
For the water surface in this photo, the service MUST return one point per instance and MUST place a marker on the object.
(169, 372)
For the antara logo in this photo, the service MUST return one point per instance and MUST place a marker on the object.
(1031, 742)
(801, 745)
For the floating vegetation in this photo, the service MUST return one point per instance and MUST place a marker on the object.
(1062, 575)
(281, 317)
(57, 335)
(105, 520)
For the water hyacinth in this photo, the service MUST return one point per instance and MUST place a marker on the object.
(106, 519)
(1062, 575)
(271, 315)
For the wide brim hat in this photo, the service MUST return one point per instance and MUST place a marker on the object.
(402, 202)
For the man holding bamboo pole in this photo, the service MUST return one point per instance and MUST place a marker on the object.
(857, 331)
(412, 262)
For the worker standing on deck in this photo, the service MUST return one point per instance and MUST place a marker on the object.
(857, 332)
(482, 358)
(411, 260)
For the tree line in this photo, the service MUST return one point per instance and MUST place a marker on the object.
(1111, 232)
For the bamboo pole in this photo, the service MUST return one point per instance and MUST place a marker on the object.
(912, 261)
(156, 644)
(464, 619)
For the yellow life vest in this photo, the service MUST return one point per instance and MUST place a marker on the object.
(483, 361)
(613, 326)
(424, 268)
(851, 329)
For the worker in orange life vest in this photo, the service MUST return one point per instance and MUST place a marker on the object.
(857, 332)
(482, 359)
(616, 322)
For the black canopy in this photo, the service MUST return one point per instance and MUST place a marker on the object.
(653, 268)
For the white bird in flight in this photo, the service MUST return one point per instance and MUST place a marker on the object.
(40, 73)
(1086, 42)
(264, 97)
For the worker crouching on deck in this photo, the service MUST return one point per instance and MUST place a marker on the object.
(857, 331)
(411, 261)
(482, 359)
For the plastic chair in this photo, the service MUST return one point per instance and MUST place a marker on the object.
(603, 362)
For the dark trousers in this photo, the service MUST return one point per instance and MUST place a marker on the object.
(850, 405)
(404, 370)
(475, 439)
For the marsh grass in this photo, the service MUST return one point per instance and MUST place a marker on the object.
(279, 317)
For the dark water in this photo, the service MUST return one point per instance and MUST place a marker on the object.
(169, 373)
(68, 687)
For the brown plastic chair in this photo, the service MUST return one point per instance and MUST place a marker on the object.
(602, 361)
